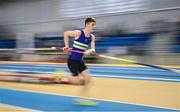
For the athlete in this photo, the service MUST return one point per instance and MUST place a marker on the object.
(82, 39)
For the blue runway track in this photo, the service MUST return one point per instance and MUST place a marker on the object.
(141, 73)
(56, 102)
(49, 102)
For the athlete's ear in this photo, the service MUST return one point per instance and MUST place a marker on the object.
(87, 23)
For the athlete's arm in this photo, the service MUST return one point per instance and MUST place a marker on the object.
(93, 43)
(67, 34)
(92, 50)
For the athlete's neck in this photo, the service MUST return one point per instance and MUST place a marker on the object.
(87, 32)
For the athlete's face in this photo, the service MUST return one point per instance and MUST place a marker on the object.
(91, 26)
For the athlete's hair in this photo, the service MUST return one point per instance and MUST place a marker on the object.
(89, 19)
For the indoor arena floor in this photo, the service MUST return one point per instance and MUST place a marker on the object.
(113, 87)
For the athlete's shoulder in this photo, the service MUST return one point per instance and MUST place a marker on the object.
(73, 33)
(93, 36)
(77, 32)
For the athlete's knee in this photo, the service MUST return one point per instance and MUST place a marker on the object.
(87, 79)
(76, 80)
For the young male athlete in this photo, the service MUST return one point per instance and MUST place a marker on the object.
(76, 65)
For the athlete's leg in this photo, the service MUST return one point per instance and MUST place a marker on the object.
(87, 80)
(75, 80)
(74, 67)
(69, 79)
(86, 77)
(85, 90)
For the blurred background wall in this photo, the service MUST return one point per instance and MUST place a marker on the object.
(38, 16)
(142, 30)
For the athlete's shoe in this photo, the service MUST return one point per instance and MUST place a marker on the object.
(85, 102)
